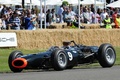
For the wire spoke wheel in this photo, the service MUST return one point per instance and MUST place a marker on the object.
(59, 59)
(110, 56)
(62, 59)
(106, 55)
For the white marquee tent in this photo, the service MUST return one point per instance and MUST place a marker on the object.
(114, 4)
(74, 2)
(15, 2)
(88, 2)
(50, 2)
(19, 2)
(53, 2)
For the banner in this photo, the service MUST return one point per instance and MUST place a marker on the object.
(8, 40)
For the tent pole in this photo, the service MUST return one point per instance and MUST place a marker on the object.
(45, 13)
(105, 3)
(30, 4)
(95, 10)
(79, 13)
(23, 2)
(40, 14)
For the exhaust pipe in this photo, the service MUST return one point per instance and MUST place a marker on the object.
(19, 63)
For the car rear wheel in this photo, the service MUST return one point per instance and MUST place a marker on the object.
(106, 55)
(59, 60)
(12, 56)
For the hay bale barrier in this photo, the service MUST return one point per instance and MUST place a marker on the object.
(91, 26)
(45, 38)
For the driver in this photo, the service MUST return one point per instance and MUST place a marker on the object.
(66, 45)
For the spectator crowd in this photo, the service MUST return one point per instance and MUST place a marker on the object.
(30, 19)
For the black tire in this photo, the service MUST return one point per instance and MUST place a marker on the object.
(106, 55)
(59, 60)
(12, 56)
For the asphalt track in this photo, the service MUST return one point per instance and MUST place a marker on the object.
(73, 74)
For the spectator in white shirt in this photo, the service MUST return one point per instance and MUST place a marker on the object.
(90, 15)
(41, 17)
(103, 14)
(60, 13)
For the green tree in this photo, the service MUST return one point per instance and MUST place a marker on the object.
(65, 3)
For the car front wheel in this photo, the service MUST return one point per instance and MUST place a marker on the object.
(59, 59)
(106, 55)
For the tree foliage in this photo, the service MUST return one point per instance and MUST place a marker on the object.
(65, 3)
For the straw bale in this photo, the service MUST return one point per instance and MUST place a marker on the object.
(58, 25)
(91, 26)
(45, 38)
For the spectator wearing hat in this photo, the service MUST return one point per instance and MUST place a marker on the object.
(14, 21)
(30, 22)
(34, 22)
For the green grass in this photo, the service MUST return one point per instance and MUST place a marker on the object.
(117, 56)
(4, 54)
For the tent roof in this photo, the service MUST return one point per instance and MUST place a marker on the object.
(114, 4)
(88, 2)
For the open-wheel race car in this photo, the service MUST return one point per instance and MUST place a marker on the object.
(65, 57)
